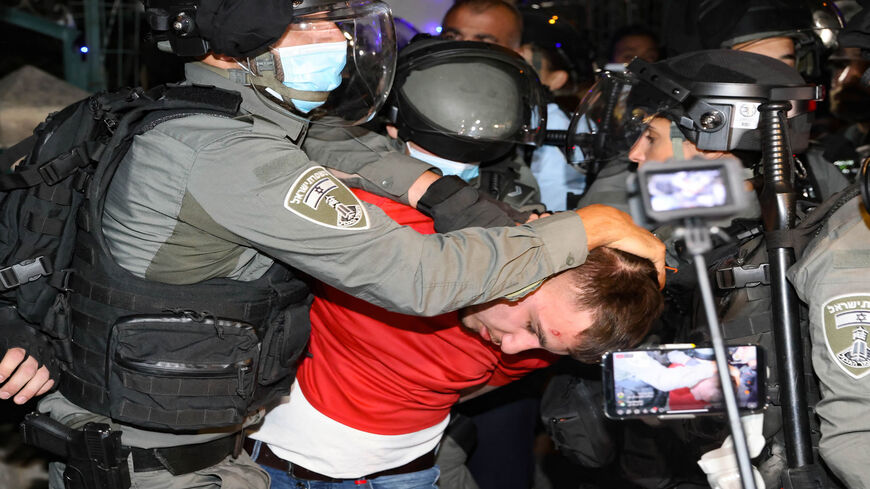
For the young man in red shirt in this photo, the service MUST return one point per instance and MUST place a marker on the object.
(373, 398)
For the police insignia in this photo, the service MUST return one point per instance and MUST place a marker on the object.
(846, 320)
(318, 196)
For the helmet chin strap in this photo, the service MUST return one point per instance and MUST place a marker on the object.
(254, 77)
(677, 139)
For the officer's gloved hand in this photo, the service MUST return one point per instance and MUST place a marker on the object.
(453, 205)
(28, 366)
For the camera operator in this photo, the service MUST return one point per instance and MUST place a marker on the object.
(662, 127)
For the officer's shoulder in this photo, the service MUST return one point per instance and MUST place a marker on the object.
(203, 131)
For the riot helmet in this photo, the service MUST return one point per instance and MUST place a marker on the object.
(466, 101)
(811, 25)
(712, 99)
(320, 60)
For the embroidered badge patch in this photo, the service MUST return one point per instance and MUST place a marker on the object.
(318, 196)
(846, 320)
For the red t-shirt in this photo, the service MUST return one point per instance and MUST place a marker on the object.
(388, 373)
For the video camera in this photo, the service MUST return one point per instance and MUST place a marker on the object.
(697, 190)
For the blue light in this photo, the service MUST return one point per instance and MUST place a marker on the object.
(558, 44)
(438, 29)
(83, 50)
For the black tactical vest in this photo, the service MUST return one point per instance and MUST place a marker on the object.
(176, 357)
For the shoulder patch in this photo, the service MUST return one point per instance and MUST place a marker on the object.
(846, 323)
(320, 197)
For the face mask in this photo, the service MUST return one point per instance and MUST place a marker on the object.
(313, 68)
(465, 171)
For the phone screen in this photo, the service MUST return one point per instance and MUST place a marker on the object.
(680, 381)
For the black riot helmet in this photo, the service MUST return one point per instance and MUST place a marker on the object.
(229, 27)
(811, 24)
(465, 101)
(712, 98)
(342, 77)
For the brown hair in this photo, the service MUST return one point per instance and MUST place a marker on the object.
(623, 291)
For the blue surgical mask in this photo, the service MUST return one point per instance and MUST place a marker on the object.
(465, 171)
(313, 68)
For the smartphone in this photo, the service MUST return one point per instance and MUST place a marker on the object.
(680, 381)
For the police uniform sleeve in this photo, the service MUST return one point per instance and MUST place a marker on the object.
(833, 278)
(266, 191)
(370, 158)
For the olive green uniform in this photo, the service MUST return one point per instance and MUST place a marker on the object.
(833, 278)
(201, 196)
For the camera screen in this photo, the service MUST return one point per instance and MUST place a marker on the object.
(659, 382)
(687, 189)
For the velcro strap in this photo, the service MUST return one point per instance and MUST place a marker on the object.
(307, 95)
(57, 194)
(23, 272)
(42, 224)
(20, 179)
(254, 313)
(183, 459)
(747, 326)
(181, 386)
(740, 277)
(179, 418)
(83, 220)
(89, 396)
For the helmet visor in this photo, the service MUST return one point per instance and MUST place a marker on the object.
(335, 65)
(607, 122)
(476, 98)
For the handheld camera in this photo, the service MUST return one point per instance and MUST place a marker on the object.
(691, 189)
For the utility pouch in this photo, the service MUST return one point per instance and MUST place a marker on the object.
(573, 416)
(181, 372)
(284, 343)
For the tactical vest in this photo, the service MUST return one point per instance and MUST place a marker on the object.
(501, 180)
(175, 357)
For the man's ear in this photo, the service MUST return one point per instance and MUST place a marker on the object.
(392, 131)
(555, 79)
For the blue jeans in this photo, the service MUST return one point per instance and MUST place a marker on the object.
(423, 479)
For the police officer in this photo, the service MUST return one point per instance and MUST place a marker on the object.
(831, 277)
(184, 281)
(800, 34)
(671, 109)
(463, 107)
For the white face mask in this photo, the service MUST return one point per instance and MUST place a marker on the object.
(313, 68)
(465, 171)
